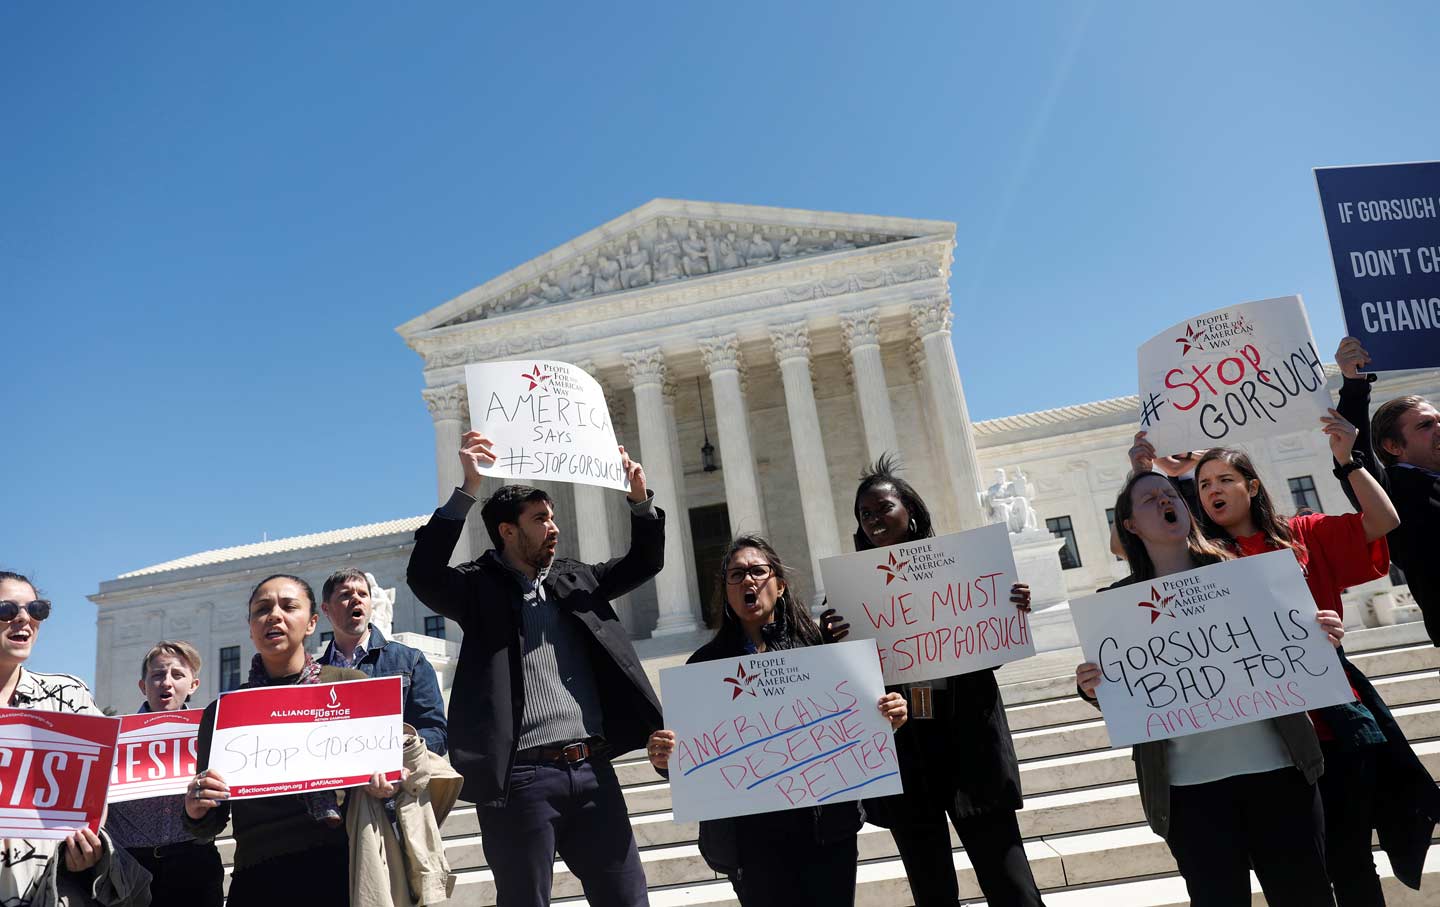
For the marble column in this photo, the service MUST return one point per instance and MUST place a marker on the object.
(447, 404)
(106, 688)
(939, 492)
(737, 457)
(646, 368)
(931, 320)
(792, 350)
(860, 330)
(681, 510)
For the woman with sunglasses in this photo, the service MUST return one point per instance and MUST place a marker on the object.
(796, 857)
(1230, 799)
(85, 866)
(958, 759)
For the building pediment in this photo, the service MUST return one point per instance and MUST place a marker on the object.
(669, 241)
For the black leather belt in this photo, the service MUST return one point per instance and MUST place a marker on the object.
(169, 851)
(569, 754)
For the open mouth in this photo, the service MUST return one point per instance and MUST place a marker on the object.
(275, 633)
(751, 599)
(1217, 504)
(357, 613)
(1169, 514)
(18, 636)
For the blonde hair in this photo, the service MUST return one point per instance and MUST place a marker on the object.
(179, 648)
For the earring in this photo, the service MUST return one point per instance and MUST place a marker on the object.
(914, 528)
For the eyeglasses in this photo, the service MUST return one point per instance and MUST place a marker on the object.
(39, 609)
(758, 572)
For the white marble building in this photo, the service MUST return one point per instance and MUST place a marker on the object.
(814, 342)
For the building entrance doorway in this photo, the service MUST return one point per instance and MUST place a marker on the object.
(710, 531)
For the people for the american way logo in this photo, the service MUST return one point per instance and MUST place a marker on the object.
(740, 684)
(894, 570)
(1192, 339)
(536, 376)
(1159, 605)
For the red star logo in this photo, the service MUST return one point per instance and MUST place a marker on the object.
(1192, 338)
(740, 683)
(893, 570)
(535, 377)
(1159, 606)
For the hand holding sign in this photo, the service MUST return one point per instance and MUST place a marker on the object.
(83, 850)
(207, 791)
(1351, 357)
(477, 452)
(635, 475)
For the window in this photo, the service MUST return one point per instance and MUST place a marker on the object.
(1062, 528)
(1110, 524)
(435, 626)
(229, 668)
(1303, 493)
(325, 637)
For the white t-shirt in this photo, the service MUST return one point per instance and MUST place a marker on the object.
(1247, 749)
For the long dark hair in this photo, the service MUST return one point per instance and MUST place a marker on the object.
(885, 471)
(794, 618)
(1274, 527)
(1202, 550)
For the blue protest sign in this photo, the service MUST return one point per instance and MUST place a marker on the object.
(1384, 228)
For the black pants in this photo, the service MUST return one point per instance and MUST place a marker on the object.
(186, 875)
(1348, 791)
(1271, 822)
(315, 877)
(992, 842)
(574, 810)
(791, 871)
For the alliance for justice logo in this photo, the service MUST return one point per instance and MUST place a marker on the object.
(740, 684)
(894, 570)
(536, 377)
(1159, 605)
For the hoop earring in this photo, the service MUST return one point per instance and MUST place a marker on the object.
(914, 527)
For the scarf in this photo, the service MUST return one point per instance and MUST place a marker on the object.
(322, 805)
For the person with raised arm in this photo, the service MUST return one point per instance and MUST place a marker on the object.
(956, 755)
(290, 848)
(1400, 447)
(184, 871)
(795, 857)
(1231, 799)
(547, 687)
(85, 868)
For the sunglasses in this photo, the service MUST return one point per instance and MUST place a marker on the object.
(39, 609)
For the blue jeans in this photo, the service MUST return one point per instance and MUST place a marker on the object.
(574, 810)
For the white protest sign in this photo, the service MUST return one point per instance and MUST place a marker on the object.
(154, 755)
(1209, 648)
(548, 420)
(778, 730)
(306, 737)
(1236, 374)
(935, 607)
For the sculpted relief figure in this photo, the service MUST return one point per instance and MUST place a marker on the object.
(791, 246)
(759, 251)
(694, 261)
(580, 283)
(667, 254)
(637, 266)
(607, 277)
(729, 258)
(838, 242)
(551, 292)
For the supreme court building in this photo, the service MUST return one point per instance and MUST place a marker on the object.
(754, 360)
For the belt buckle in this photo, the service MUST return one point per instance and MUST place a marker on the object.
(575, 752)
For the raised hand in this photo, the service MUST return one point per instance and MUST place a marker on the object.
(476, 452)
(833, 626)
(1341, 435)
(1020, 596)
(636, 474)
(1351, 357)
(1142, 454)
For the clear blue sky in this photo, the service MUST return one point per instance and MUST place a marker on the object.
(214, 215)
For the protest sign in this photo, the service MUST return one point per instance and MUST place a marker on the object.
(1236, 374)
(935, 607)
(548, 420)
(778, 730)
(1209, 648)
(154, 755)
(53, 772)
(293, 739)
(1383, 222)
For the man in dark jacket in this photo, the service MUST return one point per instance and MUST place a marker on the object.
(1401, 449)
(346, 601)
(548, 685)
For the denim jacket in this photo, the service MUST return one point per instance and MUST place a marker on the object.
(424, 706)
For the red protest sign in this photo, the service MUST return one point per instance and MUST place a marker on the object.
(53, 772)
(154, 755)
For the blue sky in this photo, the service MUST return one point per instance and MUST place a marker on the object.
(215, 215)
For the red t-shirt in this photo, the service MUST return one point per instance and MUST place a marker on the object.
(1334, 555)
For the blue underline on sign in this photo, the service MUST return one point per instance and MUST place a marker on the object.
(856, 786)
(792, 768)
(788, 730)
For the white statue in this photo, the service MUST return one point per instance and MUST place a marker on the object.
(667, 254)
(551, 292)
(382, 606)
(607, 277)
(580, 283)
(791, 246)
(759, 251)
(1008, 502)
(695, 262)
(637, 266)
(729, 257)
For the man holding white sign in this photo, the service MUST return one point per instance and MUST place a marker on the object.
(1226, 759)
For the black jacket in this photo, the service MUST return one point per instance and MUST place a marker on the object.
(1415, 543)
(487, 698)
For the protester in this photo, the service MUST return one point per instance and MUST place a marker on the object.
(289, 848)
(1180, 467)
(1400, 447)
(956, 755)
(1231, 799)
(793, 857)
(85, 868)
(548, 686)
(346, 601)
(183, 871)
